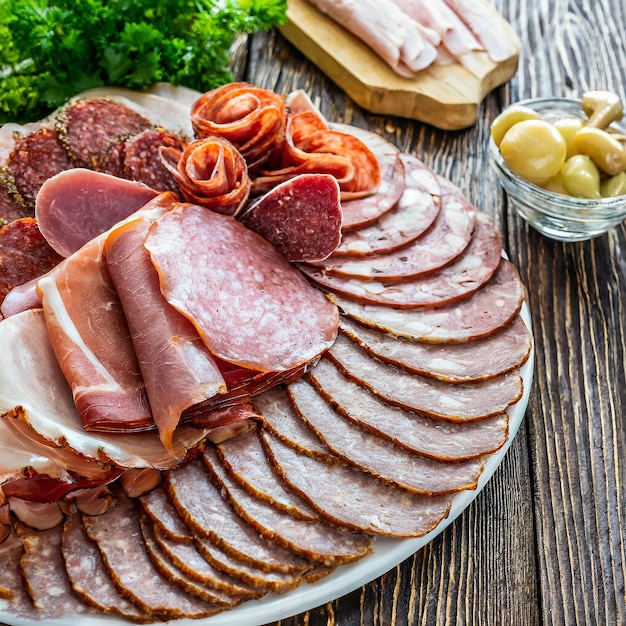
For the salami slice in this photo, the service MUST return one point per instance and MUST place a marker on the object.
(487, 310)
(159, 507)
(420, 434)
(301, 217)
(415, 211)
(467, 274)
(357, 499)
(442, 244)
(367, 451)
(459, 402)
(251, 307)
(316, 541)
(483, 358)
(10, 208)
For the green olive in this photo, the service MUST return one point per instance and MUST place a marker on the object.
(581, 177)
(607, 153)
(510, 116)
(614, 186)
(534, 150)
(568, 127)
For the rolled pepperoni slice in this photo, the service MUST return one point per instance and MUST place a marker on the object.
(210, 172)
(251, 118)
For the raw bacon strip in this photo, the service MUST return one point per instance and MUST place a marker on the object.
(24, 254)
(485, 312)
(459, 402)
(246, 462)
(357, 499)
(88, 575)
(472, 269)
(423, 435)
(210, 172)
(251, 307)
(501, 352)
(92, 343)
(373, 454)
(302, 217)
(439, 246)
(119, 539)
(312, 540)
(177, 369)
(414, 213)
(203, 509)
(76, 206)
(251, 118)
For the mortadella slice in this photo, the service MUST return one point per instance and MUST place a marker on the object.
(250, 306)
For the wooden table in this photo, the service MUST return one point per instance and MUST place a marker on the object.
(544, 542)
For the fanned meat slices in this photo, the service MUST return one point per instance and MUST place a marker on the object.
(159, 507)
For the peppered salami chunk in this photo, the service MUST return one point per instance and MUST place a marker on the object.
(10, 208)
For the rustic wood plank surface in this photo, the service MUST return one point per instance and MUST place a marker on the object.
(544, 542)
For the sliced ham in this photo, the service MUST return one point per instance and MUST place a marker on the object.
(249, 305)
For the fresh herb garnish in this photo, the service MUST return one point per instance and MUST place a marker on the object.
(53, 49)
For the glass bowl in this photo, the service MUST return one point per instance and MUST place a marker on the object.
(555, 215)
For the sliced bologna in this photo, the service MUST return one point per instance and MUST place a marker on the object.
(469, 272)
(433, 438)
(505, 350)
(416, 210)
(373, 454)
(313, 540)
(356, 499)
(251, 307)
(460, 402)
(485, 312)
(119, 539)
(302, 217)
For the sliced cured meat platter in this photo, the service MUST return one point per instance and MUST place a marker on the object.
(246, 530)
(446, 96)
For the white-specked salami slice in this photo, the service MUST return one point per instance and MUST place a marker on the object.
(362, 212)
(275, 320)
(88, 574)
(416, 210)
(163, 513)
(315, 541)
(442, 244)
(487, 310)
(119, 539)
(283, 422)
(357, 499)
(453, 362)
(472, 269)
(458, 402)
(245, 460)
(201, 505)
(434, 438)
(375, 455)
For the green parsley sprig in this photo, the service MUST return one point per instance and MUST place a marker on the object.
(52, 49)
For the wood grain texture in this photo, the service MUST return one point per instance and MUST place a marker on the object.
(544, 543)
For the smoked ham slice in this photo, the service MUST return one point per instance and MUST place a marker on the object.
(250, 306)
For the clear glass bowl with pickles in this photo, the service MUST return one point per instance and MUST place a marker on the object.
(562, 162)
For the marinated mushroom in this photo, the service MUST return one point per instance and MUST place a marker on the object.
(602, 108)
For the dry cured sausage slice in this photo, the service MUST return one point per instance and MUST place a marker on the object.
(160, 509)
(415, 211)
(373, 454)
(118, 536)
(302, 217)
(10, 208)
(486, 311)
(467, 274)
(312, 540)
(357, 499)
(251, 307)
(434, 438)
(500, 352)
(439, 246)
(245, 460)
(88, 574)
(201, 505)
(459, 402)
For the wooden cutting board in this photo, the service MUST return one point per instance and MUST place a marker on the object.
(445, 96)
